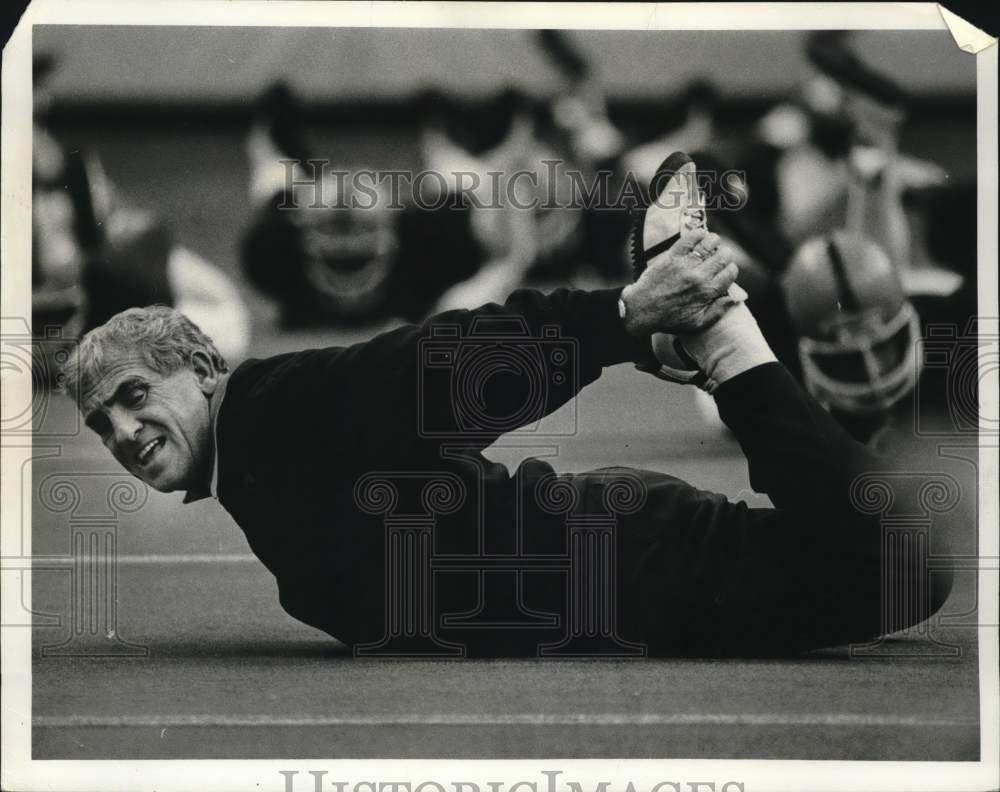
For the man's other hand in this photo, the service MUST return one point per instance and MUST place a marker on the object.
(684, 289)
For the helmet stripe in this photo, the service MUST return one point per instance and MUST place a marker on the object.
(848, 300)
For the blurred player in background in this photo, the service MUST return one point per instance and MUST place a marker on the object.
(861, 275)
(579, 161)
(857, 330)
(329, 261)
(94, 256)
(503, 144)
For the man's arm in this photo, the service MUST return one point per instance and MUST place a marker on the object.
(473, 375)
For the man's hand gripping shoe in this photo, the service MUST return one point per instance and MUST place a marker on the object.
(721, 349)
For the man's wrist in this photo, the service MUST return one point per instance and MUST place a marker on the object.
(627, 312)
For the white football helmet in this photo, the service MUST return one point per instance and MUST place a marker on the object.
(857, 330)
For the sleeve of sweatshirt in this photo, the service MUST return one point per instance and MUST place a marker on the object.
(470, 375)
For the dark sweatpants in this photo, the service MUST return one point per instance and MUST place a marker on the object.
(695, 574)
(700, 574)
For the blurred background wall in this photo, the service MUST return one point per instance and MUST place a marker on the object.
(230, 64)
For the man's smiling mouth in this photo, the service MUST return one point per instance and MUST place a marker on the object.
(148, 451)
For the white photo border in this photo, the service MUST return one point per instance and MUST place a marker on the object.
(20, 772)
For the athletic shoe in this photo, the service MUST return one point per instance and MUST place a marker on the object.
(731, 345)
(675, 205)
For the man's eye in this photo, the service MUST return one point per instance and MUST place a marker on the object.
(135, 397)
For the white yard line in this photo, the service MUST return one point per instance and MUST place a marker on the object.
(191, 558)
(525, 719)
(181, 558)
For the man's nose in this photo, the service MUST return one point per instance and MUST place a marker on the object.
(124, 424)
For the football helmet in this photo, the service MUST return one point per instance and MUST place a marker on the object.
(857, 330)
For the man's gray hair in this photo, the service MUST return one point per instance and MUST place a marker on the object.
(162, 336)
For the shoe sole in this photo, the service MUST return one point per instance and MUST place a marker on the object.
(637, 248)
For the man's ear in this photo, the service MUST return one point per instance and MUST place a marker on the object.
(205, 374)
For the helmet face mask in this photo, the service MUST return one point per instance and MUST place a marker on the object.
(869, 367)
(857, 330)
(348, 255)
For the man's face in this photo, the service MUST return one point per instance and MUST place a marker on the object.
(158, 426)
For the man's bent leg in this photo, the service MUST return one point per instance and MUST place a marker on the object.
(705, 575)
(699, 575)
